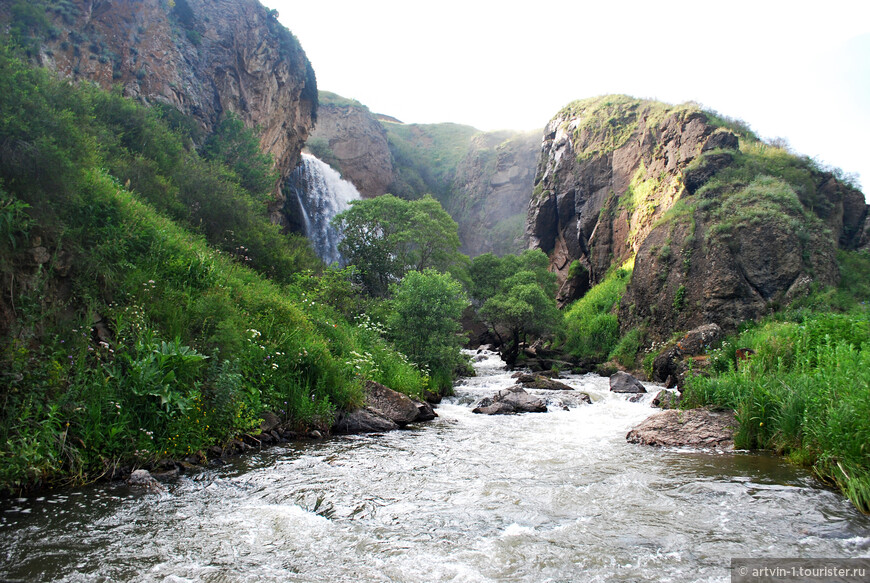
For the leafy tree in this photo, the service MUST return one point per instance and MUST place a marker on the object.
(386, 237)
(517, 297)
(427, 306)
(489, 273)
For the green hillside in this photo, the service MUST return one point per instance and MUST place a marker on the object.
(150, 309)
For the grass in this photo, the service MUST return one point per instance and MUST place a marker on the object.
(806, 391)
(591, 325)
(159, 324)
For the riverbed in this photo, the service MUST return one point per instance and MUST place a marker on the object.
(541, 497)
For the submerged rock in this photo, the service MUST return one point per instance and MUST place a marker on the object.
(143, 480)
(508, 401)
(622, 382)
(538, 381)
(692, 428)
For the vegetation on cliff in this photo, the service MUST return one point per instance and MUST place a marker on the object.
(151, 307)
(805, 392)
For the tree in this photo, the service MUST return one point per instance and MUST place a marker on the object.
(386, 237)
(517, 297)
(424, 322)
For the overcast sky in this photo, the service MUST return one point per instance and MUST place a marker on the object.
(797, 70)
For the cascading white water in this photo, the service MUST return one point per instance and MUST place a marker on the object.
(321, 193)
(557, 496)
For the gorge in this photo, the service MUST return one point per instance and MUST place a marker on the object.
(173, 300)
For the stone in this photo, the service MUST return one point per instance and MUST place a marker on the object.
(721, 139)
(622, 382)
(539, 381)
(511, 400)
(363, 420)
(269, 421)
(699, 428)
(425, 412)
(142, 479)
(700, 339)
(395, 406)
(666, 400)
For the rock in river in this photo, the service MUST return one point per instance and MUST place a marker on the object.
(142, 479)
(622, 382)
(510, 400)
(536, 381)
(693, 428)
(385, 410)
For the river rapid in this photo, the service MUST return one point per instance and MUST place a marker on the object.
(541, 497)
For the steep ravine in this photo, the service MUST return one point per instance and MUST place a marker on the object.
(483, 179)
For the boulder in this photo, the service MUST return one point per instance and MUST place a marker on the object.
(395, 406)
(363, 420)
(511, 400)
(698, 340)
(143, 480)
(425, 412)
(668, 367)
(269, 421)
(693, 428)
(622, 382)
(666, 400)
(539, 381)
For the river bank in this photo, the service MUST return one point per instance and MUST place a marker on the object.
(555, 496)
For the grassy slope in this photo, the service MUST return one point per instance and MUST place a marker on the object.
(153, 329)
(425, 157)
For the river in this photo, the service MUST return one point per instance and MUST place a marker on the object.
(541, 497)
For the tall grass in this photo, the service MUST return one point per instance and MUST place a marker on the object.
(147, 334)
(804, 393)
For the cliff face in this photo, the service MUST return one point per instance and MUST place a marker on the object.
(203, 57)
(491, 189)
(483, 179)
(351, 139)
(724, 228)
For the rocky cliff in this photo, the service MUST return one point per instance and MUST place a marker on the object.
(483, 179)
(203, 57)
(490, 191)
(350, 138)
(724, 227)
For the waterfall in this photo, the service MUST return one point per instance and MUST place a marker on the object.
(320, 194)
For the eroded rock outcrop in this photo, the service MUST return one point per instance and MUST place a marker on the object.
(721, 233)
(491, 189)
(203, 57)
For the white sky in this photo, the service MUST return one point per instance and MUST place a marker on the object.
(794, 69)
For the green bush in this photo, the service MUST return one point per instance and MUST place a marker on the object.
(591, 325)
